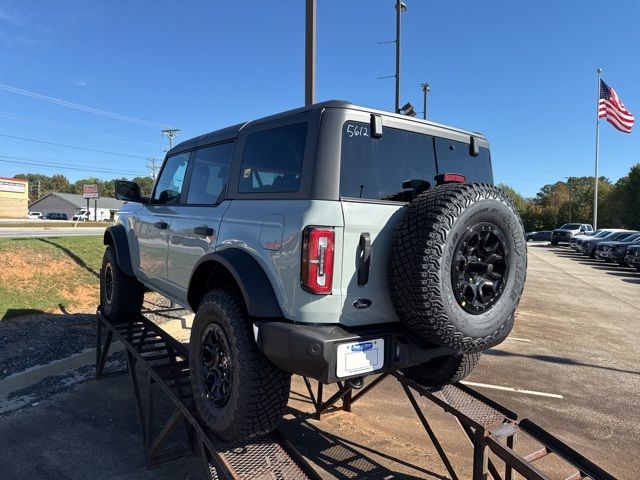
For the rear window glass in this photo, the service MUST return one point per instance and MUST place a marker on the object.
(375, 168)
(455, 157)
(210, 174)
(272, 160)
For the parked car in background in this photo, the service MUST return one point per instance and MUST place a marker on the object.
(568, 230)
(83, 215)
(543, 235)
(35, 216)
(615, 251)
(56, 216)
(632, 258)
(576, 244)
(588, 247)
(573, 240)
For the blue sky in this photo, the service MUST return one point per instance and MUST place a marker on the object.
(523, 73)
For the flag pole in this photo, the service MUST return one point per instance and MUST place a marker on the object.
(595, 189)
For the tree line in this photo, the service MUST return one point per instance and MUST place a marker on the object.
(41, 185)
(571, 200)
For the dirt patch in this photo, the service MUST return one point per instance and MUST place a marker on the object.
(83, 298)
(20, 264)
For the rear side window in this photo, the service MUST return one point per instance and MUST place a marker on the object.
(272, 160)
(455, 157)
(210, 174)
(375, 168)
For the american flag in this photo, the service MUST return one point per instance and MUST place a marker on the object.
(611, 107)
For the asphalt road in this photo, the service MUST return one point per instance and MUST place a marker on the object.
(570, 365)
(34, 232)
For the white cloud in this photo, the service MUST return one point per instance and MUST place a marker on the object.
(13, 18)
(79, 82)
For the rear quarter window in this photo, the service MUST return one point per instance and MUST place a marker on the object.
(272, 160)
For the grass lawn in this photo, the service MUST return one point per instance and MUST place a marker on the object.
(46, 274)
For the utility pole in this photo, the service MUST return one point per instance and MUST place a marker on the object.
(400, 8)
(170, 133)
(153, 167)
(426, 89)
(38, 189)
(310, 54)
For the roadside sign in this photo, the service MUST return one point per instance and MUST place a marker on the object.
(90, 191)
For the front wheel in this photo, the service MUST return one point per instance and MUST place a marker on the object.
(121, 296)
(238, 392)
(443, 370)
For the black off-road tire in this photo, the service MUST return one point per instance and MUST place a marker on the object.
(121, 296)
(258, 391)
(421, 266)
(443, 370)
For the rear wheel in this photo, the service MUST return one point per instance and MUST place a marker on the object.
(554, 243)
(238, 392)
(121, 296)
(443, 370)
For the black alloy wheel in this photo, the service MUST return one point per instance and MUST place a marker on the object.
(479, 268)
(216, 368)
(108, 283)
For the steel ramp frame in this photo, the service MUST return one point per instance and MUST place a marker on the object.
(158, 362)
(487, 425)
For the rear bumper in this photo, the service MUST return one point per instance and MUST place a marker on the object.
(312, 350)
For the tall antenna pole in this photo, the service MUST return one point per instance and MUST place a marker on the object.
(170, 133)
(426, 89)
(595, 188)
(310, 54)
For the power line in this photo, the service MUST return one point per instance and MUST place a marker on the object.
(35, 121)
(84, 108)
(87, 149)
(28, 161)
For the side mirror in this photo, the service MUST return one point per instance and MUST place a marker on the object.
(129, 192)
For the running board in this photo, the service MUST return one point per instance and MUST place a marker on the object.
(155, 358)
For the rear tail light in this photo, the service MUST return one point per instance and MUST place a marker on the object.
(317, 259)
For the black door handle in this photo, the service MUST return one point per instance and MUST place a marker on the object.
(206, 231)
(365, 259)
(161, 225)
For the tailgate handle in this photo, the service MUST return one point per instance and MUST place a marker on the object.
(365, 259)
(206, 231)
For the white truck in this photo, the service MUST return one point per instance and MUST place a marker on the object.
(84, 215)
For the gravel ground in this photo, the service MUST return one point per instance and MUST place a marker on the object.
(41, 338)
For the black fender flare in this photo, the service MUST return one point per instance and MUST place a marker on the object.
(117, 236)
(255, 286)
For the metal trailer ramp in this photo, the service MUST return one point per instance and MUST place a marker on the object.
(155, 358)
(488, 425)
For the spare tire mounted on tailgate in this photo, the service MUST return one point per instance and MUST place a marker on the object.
(457, 266)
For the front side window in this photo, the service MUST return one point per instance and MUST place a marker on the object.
(272, 160)
(169, 186)
(210, 174)
(376, 168)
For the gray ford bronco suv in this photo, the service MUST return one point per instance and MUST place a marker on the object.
(332, 241)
